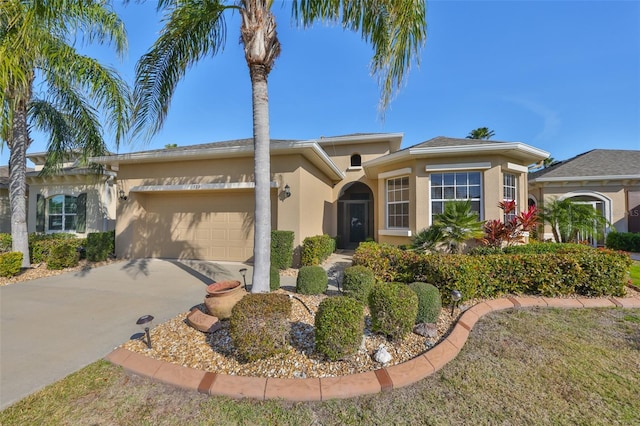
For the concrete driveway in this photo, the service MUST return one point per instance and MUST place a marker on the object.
(54, 326)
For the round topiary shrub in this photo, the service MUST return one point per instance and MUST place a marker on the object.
(394, 308)
(357, 282)
(429, 302)
(312, 280)
(274, 278)
(339, 325)
(259, 325)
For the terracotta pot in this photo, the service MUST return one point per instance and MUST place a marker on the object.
(220, 303)
(221, 288)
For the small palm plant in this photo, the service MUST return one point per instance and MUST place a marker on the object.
(452, 227)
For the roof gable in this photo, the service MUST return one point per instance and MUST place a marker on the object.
(595, 163)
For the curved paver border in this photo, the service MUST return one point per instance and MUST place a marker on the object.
(325, 388)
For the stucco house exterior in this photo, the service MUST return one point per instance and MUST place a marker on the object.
(75, 200)
(197, 201)
(5, 206)
(607, 179)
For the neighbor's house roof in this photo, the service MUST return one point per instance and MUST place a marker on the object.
(312, 149)
(594, 165)
(443, 146)
(4, 176)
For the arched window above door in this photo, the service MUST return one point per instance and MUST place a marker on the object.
(356, 161)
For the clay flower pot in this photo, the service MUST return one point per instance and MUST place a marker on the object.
(222, 297)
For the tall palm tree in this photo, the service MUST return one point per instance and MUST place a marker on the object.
(481, 133)
(37, 41)
(569, 220)
(195, 29)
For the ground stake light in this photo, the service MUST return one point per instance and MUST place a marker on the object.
(455, 297)
(243, 272)
(145, 323)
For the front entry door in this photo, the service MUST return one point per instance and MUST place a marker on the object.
(357, 222)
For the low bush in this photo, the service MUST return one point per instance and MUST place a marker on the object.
(10, 263)
(394, 308)
(339, 326)
(40, 245)
(5, 243)
(282, 249)
(357, 282)
(627, 241)
(274, 278)
(63, 254)
(100, 245)
(259, 325)
(316, 249)
(312, 280)
(429, 302)
(540, 248)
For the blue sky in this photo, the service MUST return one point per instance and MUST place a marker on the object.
(563, 76)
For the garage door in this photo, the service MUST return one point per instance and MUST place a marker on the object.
(208, 226)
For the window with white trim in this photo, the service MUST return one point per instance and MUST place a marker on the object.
(398, 203)
(62, 210)
(510, 189)
(459, 186)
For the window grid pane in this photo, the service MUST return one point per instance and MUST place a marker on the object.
(459, 186)
(510, 191)
(62, 210)
(398, 202)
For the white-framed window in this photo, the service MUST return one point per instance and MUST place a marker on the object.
(458, 186)
(398, 203)
(510, 193)
(62, 211)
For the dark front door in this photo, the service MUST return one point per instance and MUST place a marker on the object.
(357, 222)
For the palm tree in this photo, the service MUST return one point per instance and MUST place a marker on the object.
(37, 42)
(481, 133)
(195, 29)
(569, 220)
(457, 224)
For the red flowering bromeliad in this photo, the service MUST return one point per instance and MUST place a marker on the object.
(498, 233)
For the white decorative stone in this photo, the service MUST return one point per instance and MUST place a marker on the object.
(382, 355)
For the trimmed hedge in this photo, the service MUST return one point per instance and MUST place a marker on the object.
(429, 302)
(40, 245)
(282, 249)
(100, 245)
(357, 282)
(627, 241)
(259, 325)
(339, 326)
(5, 243)
(316, 249)
(572, 269)
(312, 280)
(394, 308)
(10, 263)
(63, 254)
(274, 278)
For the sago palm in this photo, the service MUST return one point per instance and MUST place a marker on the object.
(195, 29)
(37, 41)
(458, 224)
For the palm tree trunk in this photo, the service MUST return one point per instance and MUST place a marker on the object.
(17, 182)
(262, 165)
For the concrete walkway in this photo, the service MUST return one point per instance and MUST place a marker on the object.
(51, 327)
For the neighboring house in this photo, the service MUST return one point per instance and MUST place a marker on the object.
(5, 207)
(198, 201)
(74, 200)
(607, 179)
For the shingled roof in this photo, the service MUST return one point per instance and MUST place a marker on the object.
(442, 141)
(595, 163)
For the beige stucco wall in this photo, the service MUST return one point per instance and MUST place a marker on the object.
(5, 211)
(101, 199)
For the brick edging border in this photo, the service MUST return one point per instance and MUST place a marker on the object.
(325, 388)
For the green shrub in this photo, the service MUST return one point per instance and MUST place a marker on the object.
(316, 249)
(274, 278)
(540, 248)
(357, 282)
(40, 245)
(10, 263)
(63, 254)
(5, 243)
(282, 249)
(394, 308)
(100, 245)
(259, 325)
(312, 280)
(627, 241)
(339, 326)
(429, 302)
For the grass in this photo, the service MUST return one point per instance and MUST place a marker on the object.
(537, 366)
(634, 273)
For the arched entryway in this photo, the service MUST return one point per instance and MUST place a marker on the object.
(602, 205)
(355, 215)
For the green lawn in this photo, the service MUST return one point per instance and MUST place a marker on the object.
(634, 272)
(529, 366)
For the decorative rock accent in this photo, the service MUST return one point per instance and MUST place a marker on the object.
(203, 322)
(426, 330)
(382, 355)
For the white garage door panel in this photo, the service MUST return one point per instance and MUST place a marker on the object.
(204, 226)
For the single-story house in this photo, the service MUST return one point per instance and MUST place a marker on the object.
(607, 179)
(198, 201)
(77, 199)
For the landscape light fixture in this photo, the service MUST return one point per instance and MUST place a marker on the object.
(122, 195)
(455, 296)
(243, 272)
(287, 191)
(145, 323)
